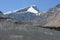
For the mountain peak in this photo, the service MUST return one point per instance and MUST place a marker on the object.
(1, 12)
(58, 6)
(32, 9)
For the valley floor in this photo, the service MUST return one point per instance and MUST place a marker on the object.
(32, 33)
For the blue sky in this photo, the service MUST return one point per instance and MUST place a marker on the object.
(43, 5)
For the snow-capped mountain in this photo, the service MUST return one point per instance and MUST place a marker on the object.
(30, 13)
(32, 9)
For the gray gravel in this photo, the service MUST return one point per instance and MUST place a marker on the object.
(32, 33)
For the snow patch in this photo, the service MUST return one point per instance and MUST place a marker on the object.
(31, 9)
(8, 12)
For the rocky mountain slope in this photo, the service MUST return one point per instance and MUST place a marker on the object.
(54, 18)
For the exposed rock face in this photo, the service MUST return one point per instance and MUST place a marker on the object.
(54, 18)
